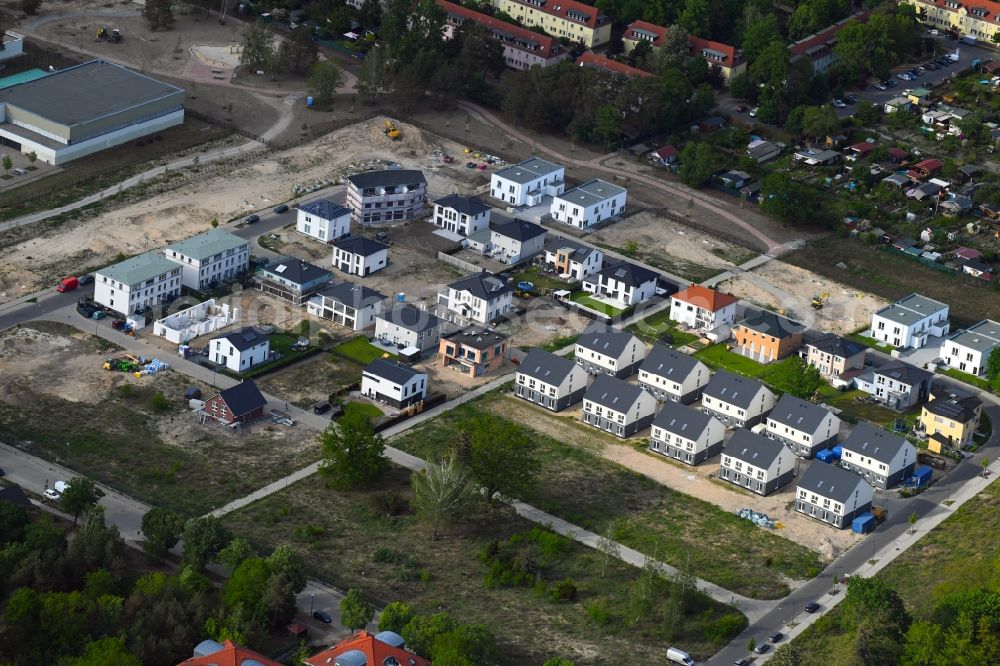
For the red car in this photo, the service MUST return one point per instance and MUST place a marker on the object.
(68, 284)
(742, 108)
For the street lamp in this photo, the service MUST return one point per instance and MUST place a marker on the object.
(312, 598)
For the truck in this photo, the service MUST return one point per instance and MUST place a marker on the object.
(968, 39)
(68, 284)
(679, 656)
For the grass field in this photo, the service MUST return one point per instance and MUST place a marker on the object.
(892, 276)
(559, 343)
(951, 558)
(541, 281)
(584, 299)
(718, 357)
(653, 328)
(360, 350)
(350, 541)
(579, 486)
(870, 342)
(368, 410)
(966, 378)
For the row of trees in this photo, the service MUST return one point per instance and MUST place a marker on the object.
(296, 53)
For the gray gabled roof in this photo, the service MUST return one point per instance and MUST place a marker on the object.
(394, 372)
(836, 346)
(628, 274)
(773, 325)
(665, 362)
(360, 245)
(753, 449)
(873, 442)
(519, 230)
(904, 373)
(325, 209)
(243, 398)
(465, 205)
(413, 319)
(580, 251)
(678, 419)
(388, 178)
(546, 367)
(244, 338)
(798, 414)
(296, 270)
(831, 482)
(613, 393)
(482, 285)
(353, 295)
(606, 341)
(733, 389)
(954, 405)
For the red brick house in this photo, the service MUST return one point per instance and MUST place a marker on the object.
(385, 648)
(242, 403)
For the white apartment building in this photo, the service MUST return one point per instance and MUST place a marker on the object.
(210, 258)
(525, 183)
(137, 282)
(587, 204)
(323, 220)
(910, 321)
(391, 195)
(461, 215)
(969, 350)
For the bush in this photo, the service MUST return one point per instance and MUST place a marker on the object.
(385, 556)
(395, 616)
(160, 402)
(563, 591)
(390, 504)
(721, 629)
(599, 612)
(308, 533)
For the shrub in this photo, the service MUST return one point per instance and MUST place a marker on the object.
(385, 556)
(563, 591)
(395, 616)
(160, 402)
(721, 629)
(390, 504)
(599, 612)
(308, 533)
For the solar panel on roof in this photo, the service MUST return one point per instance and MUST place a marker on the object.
(280, 269)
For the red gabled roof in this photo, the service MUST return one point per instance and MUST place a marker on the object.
(230, 655)
(991, 9)
(898, 153)
(569, 9)
(699, 46)
(666, 152)
(375, 651)
(657, 30)
(603, 62)
(862, 148)
(705, 298)
(825, 37)
(546, 46)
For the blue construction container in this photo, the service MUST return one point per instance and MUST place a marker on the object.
(826, 456)
(864, 523)
(837, 451)
(922, 476)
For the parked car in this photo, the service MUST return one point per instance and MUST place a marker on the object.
(742, 662)
(322, 616)
(762, 648)
(281, 208)
(812, 607)
(3, 472)
(775, 637)
(837, 103)
(322, 407)
(99, 314)
(86, 279)
(68, 284)
(52, 494)
(850, 99)
(252, 219)
(890, 83)
(935, 32)
(903, 76)
(753, 112)
(880, 86)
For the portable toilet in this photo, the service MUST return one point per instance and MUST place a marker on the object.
(825, 456)
(922, 476)
(863, 524)
(837, 452)
(309, 101)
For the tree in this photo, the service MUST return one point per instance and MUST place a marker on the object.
(912, 520)
(355, 611)
(105, 652)
(162, 529)
(751, 644)
(32, 156)
(324, 79)
(7, 163)
(278, 599)
(699, 161)
(793, 376)
(236, 553)
(465, 644)
(502, 457)
(353, 454)
(675, 48)
(13, 520)
(421, 632)
(788, 200)
(395, 616)
(440, 492)
(694, 18)
(608, 547)
(244, 589)
(373, 75)
(872, 601)
(30, 7)
(370, 14)
(82, 493)
(159, 14)
(298, 50)
(203, 539)
(993, 369)
(287, 562)
(819, 122)
(759, 34)
(258, 47)
(786, 655)
(607, 124)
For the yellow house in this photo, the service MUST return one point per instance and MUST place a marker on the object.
(727, 58)
(950, 419)
(563, 18)
(978, 19)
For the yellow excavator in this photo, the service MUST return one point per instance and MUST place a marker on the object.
(391, 130)
(817, 301)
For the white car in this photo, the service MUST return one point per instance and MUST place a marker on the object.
(753, 112)
(935, 32)
(838, 103)
(52, 494)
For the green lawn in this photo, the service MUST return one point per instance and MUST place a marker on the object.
(966, 378)
(368, 410)
(953, 557)
(583, 298)
(868, 411)
(534, 275)
(282, 343)
(870, 342)
(560, 342)
(585, 489)
(360, 350)
(719, 357)
(654, 326)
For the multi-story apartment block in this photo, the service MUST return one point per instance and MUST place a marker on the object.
(210, 258)
(567, 19)
(391, 195)
(137, 282)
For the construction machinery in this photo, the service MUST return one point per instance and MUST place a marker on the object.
(391, 130)
(817, 301)
(102, 34)
(116, 36)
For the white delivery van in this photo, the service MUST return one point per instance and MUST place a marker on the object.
(679, 656)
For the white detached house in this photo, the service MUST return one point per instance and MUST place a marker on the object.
(572, 259)
(910, 321)
(461, 215)
(481, 298)
(323, 220)
(969, 350)
(803, 427)
(393, 384)
(525, 183)
(588, 204)
(240, 350)
(618, 407)
(627, 284)
(359, 256)
(609, 352)
(702, 309)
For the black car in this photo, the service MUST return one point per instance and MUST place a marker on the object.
(86, 279)
(850, 99)
(2, 472)
(282, 208)
(812, 607)
(321, 407)
(322, 616)
(775, 637)
(87, 309)
(252, 219)
(762, 648)
(741, 662)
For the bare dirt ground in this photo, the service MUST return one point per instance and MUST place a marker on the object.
(694, 481)
(781, 286)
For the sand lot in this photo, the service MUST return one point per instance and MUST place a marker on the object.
(781, 286)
